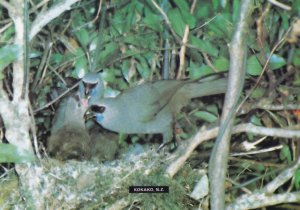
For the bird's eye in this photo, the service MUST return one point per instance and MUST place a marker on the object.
(98, 109)
(89, 86)
(92, 86)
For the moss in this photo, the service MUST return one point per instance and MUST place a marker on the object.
(8, 185)
(94, 185)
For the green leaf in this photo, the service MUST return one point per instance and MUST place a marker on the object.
(182, 5)
(221, 27)
(222, 64)
(258, 92)
(204, 45)
(206, 116)
(56, 58)
(11, 154)
(213, 108)
(81, 64)
(296, 6)
(296, 58)
(276, 62)
(297, 179)
(258, 167)
(255, 120)
(278, 119)
(177, 22)
(216, 3)
(126, 72)
(108, 53)
(296, 81)
(236, 10)
(83, 37)
(285, 154)
(7, 34)
(195, 72)
(253, 66)
(81, 33)
(8, 54)
(142, 67)
(202, 11)
(108, 75)
(35, 54)
(188, 18)
(153, 21)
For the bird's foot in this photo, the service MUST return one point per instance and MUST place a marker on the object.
(171, 148)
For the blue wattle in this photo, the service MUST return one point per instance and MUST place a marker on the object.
(99, 118)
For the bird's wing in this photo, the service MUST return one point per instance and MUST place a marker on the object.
(150, 98)
(142, 99)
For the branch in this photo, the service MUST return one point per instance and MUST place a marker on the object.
(6, 5)
(279, 4)
(264, 197)
(183, 47)
(259, 200)
(15, 113)
(219, 155)
(45, 17)
(185, 150)
(16, 14)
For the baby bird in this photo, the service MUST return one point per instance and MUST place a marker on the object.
(69, 137)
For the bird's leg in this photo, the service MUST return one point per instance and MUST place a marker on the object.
(169, 138)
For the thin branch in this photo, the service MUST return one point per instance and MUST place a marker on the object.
(259, 200)
(45, 17)
(15, 113)
(18, 65)
(183, 47)
(185, 150)
(5, 27)
(6, 5)
(247, 107)
(56, 99)
(40, 4)
(162, 12)
(209, 63)
(257, 151)
(279, 4)
(236, 77)
(265, 197)
(276, 107)
(282, 178)
(177, 38)
(281, 41)
(33, 131)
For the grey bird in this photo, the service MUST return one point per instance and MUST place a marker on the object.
(91, 88)
(104, 144)
(151, 108)
(69, 137)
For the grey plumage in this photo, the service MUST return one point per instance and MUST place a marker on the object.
(91, 88)
(69, 138)
(151, 107)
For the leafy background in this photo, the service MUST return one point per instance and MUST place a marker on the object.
(132, 45)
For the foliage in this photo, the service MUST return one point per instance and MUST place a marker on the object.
(131, 51)
(11, 154)
(8, 54)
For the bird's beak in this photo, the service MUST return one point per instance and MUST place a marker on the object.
(87, 90)
(89, 114)
(85, 100)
